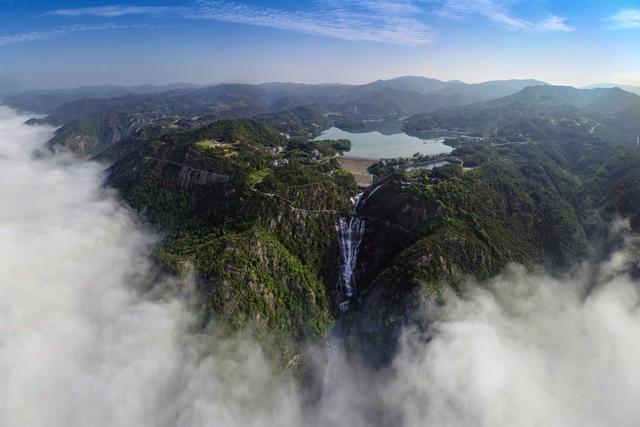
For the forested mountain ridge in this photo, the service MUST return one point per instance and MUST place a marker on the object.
(610, 113)
(547, 203)
(254, 218)
(628, 88)
(279, 96)
(92, 123)
(45, 101)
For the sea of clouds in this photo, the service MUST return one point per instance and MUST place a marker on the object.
(89, 336)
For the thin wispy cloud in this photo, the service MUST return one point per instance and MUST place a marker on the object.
(555, 23)
(366, 22)
(497, 11)
(626, 19)
(114, 11)
(386, 21)
(386, 6)
(62, 31)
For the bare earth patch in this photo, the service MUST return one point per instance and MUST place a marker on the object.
(358, 166)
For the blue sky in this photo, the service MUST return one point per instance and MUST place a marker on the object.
(68, 43)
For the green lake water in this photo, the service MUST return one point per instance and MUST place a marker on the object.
(376, 145)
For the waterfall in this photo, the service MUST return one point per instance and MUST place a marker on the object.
(350, 234)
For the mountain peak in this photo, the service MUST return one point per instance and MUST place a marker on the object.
(240, 131)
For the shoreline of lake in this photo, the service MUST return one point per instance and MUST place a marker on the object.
(375, 145)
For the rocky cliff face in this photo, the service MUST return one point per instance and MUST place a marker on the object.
(189, 177)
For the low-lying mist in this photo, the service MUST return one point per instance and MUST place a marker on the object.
(83, 344)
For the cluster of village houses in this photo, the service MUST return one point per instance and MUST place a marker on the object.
(314, 156)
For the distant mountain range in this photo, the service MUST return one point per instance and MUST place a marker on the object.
(628, 88)
(379, 99)
(534, 112)
(46, 100)
(93, 118)
(282, 96)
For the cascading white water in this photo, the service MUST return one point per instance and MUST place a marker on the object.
(350, 234)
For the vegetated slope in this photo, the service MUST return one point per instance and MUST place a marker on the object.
(405, 96)
(259, 234)
(548, 202)
(610, 113)
(307, 121)
(89, 135)
(47, 101)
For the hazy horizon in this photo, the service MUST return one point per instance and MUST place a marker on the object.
(328, 83)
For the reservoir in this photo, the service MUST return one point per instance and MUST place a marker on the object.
(376, 145)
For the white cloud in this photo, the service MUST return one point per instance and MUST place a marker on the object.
(386, 6)
(113, 11)
(29, 37)
(555, 23)
(365, 24)
(61, 31)
(498, 12)
(528, 349)
(626, 19)
(386, 21)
